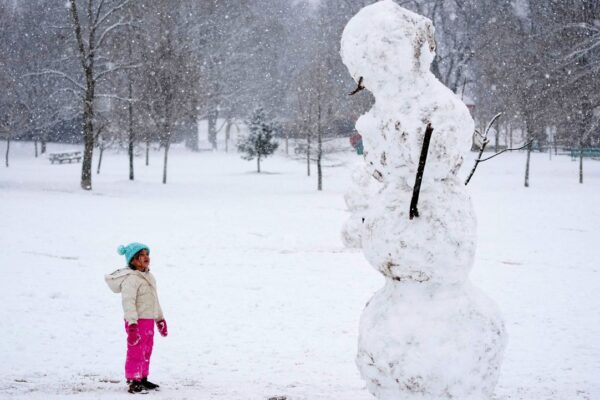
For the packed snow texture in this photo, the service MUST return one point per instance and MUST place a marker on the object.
(427, 334)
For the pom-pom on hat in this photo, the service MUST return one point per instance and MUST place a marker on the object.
(131, 250)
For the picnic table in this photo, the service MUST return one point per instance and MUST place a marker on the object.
(300, 148)
(64, 157)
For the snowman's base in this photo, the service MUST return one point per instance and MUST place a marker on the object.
(417, 344)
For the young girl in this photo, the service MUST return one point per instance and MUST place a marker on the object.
(141, 308)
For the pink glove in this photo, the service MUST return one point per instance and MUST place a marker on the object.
(133, 335)
(162, 327)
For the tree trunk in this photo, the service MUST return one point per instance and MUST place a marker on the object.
(88, 138)
(100, 158)
(147, 150)
(258, 164)
(227, 133)
(167, 145)
(585, 125)
(319, 169)
(167, 133)
(213, 115)
(319, 148)
(7, 149)
(497, 140)
(130, 111)
(35, 145)
(308, 135)
(527, 165)
(191, 140)
(87, 63)
(287, 142)
(131, 131)
(580, 162)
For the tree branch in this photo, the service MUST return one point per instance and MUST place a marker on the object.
(98, 11)
(118, 68)
(57, 73)
(100, 20)
(583, 49)
(109, 29)
(69, 90)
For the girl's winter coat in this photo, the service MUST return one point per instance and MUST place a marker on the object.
(138, 290)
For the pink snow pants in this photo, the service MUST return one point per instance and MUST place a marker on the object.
(137, 364)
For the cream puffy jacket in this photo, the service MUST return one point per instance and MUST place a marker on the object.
(138, 292)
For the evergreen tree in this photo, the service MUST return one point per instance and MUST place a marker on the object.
(259, 143)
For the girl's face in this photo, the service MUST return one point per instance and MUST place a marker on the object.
(141, 261)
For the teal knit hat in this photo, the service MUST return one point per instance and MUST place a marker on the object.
(131, 250)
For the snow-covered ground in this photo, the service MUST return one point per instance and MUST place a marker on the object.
(261, 297)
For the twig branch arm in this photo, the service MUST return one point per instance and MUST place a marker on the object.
(513, 149)
(484, 142)
(414, 212)
(489, 125)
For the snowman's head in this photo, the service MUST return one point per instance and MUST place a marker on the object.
(385, 43)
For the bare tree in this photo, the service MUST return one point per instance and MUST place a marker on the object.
(101, 21)
(169, 86)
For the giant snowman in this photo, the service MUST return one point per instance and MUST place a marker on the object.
(428, 333)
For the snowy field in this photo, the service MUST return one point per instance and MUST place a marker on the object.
(260, 295)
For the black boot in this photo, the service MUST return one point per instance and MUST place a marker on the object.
(149, 385)
(137, 387)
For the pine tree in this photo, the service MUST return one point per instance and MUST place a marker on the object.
(259, 143)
